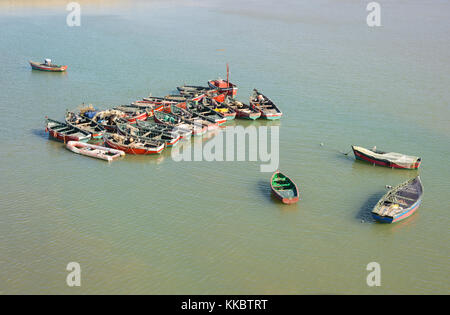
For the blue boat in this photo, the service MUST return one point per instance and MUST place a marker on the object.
(400, 202)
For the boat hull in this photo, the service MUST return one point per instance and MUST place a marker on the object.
(64, 138)
(95, 151)
(135, 151)
(271, 116)
(279, 196)
(407, 213)
(251, 116)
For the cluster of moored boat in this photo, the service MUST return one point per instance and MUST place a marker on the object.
(150, 125)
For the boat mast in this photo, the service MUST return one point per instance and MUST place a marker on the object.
(228, 76)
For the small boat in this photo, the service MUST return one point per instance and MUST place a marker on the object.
(132, 112)
(170, 138)
(95, 151)
(152, 125)
(133, 145)
(400, 202)
(265, 106)
(47, 66)
(150, 107)
(284, 188)
(223, 86)
(182, 119)
(192, 90)
(388, 159)
(65, 132)
(109, 119)
(203, 111)
(242, 110)
(199, 119)
(228, 112)
(86, 124)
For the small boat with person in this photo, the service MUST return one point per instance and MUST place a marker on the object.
(284, 188)
(47, 66)
(65, 132)
(400, 202)
(388, 159)
(265, 106)
(94, 151)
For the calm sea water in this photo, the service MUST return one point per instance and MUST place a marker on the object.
(156, 226)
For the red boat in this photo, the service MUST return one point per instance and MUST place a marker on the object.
(133, 145)
(389, 159)
(47, 66)
(224, 86)
(65, 132)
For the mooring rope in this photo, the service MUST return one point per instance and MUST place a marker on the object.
(336, 150)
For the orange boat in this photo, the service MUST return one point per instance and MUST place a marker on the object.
(133, 145)
(47, 66)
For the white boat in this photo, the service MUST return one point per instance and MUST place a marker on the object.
(95, 151)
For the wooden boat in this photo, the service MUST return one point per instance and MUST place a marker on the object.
(183, 120)
(152, 125)
(223, 86)
(242, 110)
(196, 116)
(150, 107)
(109, 119)
(94, 151)
(65, 132)
(284, 188)
(265, 106)
(86, 124)
(192, 90)
(388, 159)
(170, 139)
(400, 202)
(228, 112)
(132, 112)
(202, 111)
(47, 67)
(133, 145)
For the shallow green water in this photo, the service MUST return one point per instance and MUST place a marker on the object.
(153, 225)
